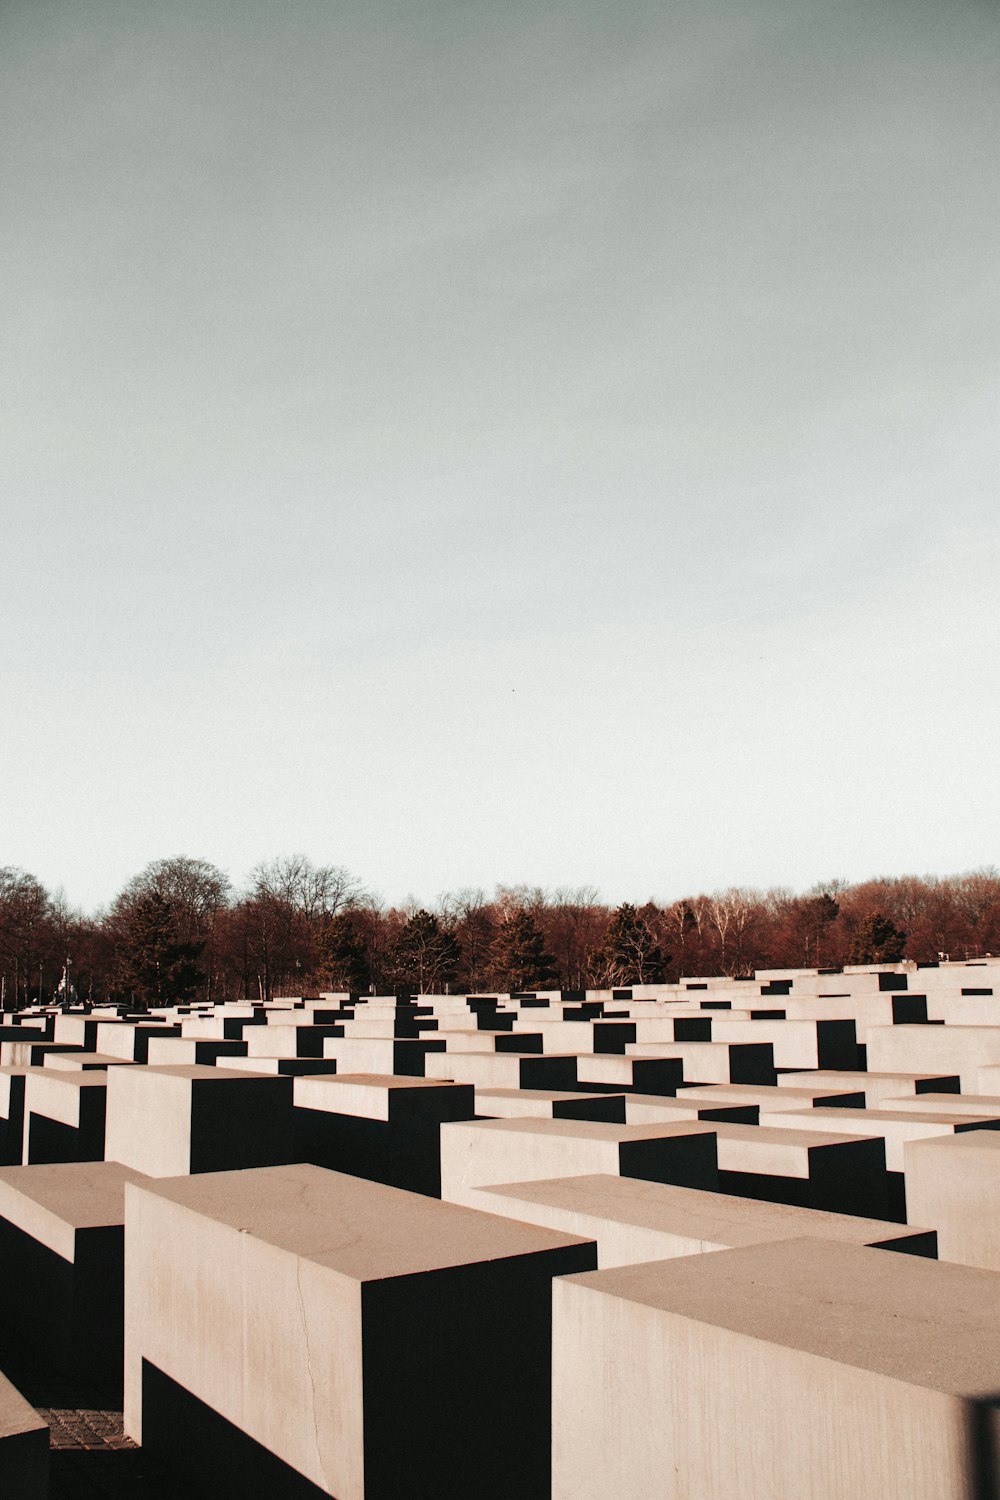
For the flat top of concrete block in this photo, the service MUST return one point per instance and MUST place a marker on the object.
(16, 1415)
(715, 1218)
(987, 1103)
(840, 1075)
(373, 1096)
(362, 1230)
(200, 1072)
(773, 1135)
(382, 1081)
(598, 1130)
(966, 1140)
(921, 1322)
(894, 1116)
(92, 1078)
(555, 1096)
(82, 1193)
(749, 1093)
(72, 1062)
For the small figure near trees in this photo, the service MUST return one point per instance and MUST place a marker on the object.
(878, 941)
(629, 953)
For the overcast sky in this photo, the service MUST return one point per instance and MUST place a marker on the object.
(548, 442)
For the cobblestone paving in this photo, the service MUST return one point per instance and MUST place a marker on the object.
(90, 1456)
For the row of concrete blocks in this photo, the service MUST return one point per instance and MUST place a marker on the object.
(800, 1142)
(297, 1332)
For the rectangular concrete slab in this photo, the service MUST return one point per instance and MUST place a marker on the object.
(171, 1120)
(372, 1343)
(799, 1368)
(955, 1181)
(495, 1151)
(632, 1220)
(61, 1243)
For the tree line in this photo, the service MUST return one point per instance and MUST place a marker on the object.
(179, 930)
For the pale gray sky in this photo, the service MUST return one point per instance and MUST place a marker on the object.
(551, 442)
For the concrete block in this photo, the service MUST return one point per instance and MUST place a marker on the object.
(550, 1104)
(874, 1086)
(801, 1368)
(64, 1115)
(61, 1244)
(828, 1170)
(169, 1121)
(943, 1049)
(955, 1181)
(633, 1220)
(634, 1075)
(300, 1332)
(714, 1062)
(495, 1151)
(504, 1070)
(396, 1056)
(12, 1115)
(383, 1128)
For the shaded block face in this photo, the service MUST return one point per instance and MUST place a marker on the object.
(24, 1447)
(955, 1182)
(547, 1104)
(795, 1369)
(372, 1309)
(172, 1121)
(382, 1128)
(12, 1116)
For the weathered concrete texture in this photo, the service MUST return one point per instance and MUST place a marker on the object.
(61, 1243)
(365, 1342)
(632, 1220)
(168, 1121)
(24, 1447)
(801, 1368)
(496, 1151)
(955, 1182)
(383, 1128)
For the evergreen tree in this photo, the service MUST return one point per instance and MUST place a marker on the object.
(519, 957)
(629, 953)
(425, 956)
(878, 941)
(344, 955)
(155, 965)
